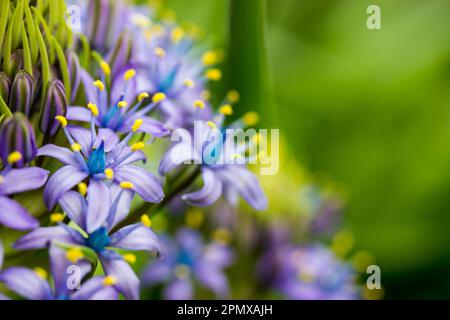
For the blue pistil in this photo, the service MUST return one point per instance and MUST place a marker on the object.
(98, 240)
(97, 160)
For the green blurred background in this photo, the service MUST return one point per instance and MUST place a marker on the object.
(368, 108)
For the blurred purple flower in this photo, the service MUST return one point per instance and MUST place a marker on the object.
(32, 284)
(96, 216)
(187, 258)
(99, 156)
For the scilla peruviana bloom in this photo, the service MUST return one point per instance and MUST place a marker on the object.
(95, 217)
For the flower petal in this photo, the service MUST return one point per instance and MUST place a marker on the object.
(179, 290)
(63, 155)
(74, 205)
(109, 138)
(211, 191)
(98, 202)
(149, 125)
(122, 208)
(246, 183)
(144, 182)
(135, 237)
(83, 137)
(14, 216)
(213, 279)
(181, 153)
(94, 289)
(21, 180)
(41, 238)
(157, 272)
(26, 283)
(60, 182)
(127, 281)
(78, 114)
(2, 254)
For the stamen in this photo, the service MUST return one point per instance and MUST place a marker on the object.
(209, 58)
(129, 74)
(126, 185)
(76, 147)
(41, 272)
(14, 157)
(142, 96)
(250, 118)
(74, 255)
(213, 74)
(233, 96)
(99, 85)
(137, 124)
(226, 110)
(122, 104)
(222, 236)
(105, 67)
(236, 156)
(194, 218)
(109, 173)
(182, 271)
(62, 120)
(145, 220)
(137, 146)
(56, 217)
(177, 34)
(159, 52)
(130, 258)
(206, 95)
(109, 281)
(93, 108)
(199, 104)
(82, 188)
(189, 83)
(158, 97)
(211, 124)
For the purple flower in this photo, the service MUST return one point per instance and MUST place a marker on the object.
(96, 216)
(309, 272)
(33, 285)
(114, 112)
(13, 181)
(99, 156)
(223, 172)
(187, 258)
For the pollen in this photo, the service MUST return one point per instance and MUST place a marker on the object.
(199, 104)
(177, 34)
(159, 52)
(158, 97)
(62, 120)
(206, 95)
(188, 83)
(82, 188)
(129, 74)
(142, 96)
(194, 218)
(126, 185)
(145, 219)
(226, 110)
(256, 138)
(56, 217)
(105, 67)
(222, 236)
(236, 156)
(41, 272)
(250, 118)
(74, 255)
(109, 281)
(210, 58)
(233, 96)
(93, 107)
(213, 74)
(211, 124)
(122, 104)
(76, 147)
(14, 157)
(109, 173)
(137, 146)
(99, 85)
(181, 271)
(130, 258)
(137, 124)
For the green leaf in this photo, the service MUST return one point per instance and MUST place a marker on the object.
(16, 23)
(47, 32)
(4, 110)
(32, 34)
(45, 65)
(26, 51)
(63, 68)
(4, 15)
(86, 51)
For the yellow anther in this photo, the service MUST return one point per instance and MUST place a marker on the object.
(126, 185)
(159, 52)
(109, 173)
(199, 104)
(206, 95)
(145, 219)
(137, 124)
(233, 96)
(226, 110)
(211, 124)
(109, 281)
(14, 157)
(41, 272)
(181, 271)
(236, 156)
(210, 57)
(177, 34)
(93, 107)
(168, 15)
(105, 67)
(76, 147)
(122, 104)
(82, 188)
(99, 85)
(222, 235)
(129, 74)
(189, 83)
(137, 146)
(130, 258)
(194, 218)
(158, 97)
(305, 277)
(74, 255)
(56, 217)
(142, 96)
(213, 74)
(2, 179)
(250, 118)
(62, 120)
(256, 138)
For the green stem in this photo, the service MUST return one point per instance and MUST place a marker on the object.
(4, 110)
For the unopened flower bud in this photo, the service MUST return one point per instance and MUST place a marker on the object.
(22, 93)
(55, 104)
(5, 87)
(73, 65)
